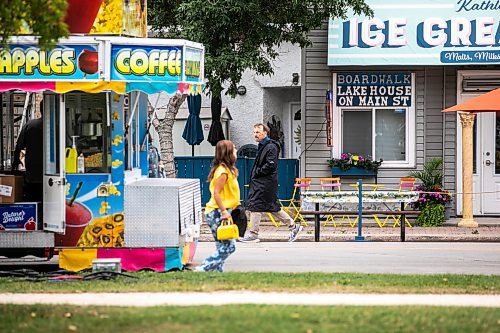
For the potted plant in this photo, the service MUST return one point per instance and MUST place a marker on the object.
(351, 164)
(433, 197)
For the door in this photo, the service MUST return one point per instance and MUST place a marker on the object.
(295, 130)
(54, 206)
(486, 145)
(490, 163)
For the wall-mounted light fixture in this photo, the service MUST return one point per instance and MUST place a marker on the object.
(295, 78)
(242, 90)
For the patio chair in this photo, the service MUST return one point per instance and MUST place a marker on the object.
(293, 206)
(331, 184)
(405, 184)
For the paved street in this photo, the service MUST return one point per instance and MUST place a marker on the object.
(363, 257)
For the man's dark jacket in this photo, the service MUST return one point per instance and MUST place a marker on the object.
(31, 139)
(263, 192)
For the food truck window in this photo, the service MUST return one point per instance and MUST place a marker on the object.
(131, 131)
(86, 124)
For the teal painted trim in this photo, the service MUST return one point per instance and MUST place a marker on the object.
(173, 258)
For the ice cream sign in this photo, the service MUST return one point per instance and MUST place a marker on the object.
(418, 32)
(64, 62)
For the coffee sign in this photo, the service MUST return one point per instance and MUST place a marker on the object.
(146, 63)
(374, 89)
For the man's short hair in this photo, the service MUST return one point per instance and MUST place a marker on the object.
(264, 127)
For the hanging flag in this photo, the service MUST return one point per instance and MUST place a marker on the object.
(329, 118)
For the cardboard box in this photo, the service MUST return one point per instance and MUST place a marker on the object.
(11, 188)
(19, 216)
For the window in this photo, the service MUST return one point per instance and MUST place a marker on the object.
(374, 114)
(382, 133)
(390, 134)
(86, 123)
(358, 132)
(131, 131)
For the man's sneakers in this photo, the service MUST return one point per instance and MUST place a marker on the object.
(295, 231)
(249, 239)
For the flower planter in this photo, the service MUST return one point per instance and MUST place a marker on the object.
(353, 171)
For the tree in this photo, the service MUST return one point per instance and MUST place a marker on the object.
(241, 35)
(38, 17)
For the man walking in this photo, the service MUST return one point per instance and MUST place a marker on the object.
(263, 192)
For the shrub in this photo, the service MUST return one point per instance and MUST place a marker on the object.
(431, 215)
(433, 197)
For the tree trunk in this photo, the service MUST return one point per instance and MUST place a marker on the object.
(164, 128)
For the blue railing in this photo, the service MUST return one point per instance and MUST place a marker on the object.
(199, 167)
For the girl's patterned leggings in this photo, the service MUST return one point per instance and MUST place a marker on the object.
(223, 248)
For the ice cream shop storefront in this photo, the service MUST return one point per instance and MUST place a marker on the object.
(389, 77)
(97, 201)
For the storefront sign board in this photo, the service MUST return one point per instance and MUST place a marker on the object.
(424, 32)
(374, 89)
(73, 62)
(146, 63)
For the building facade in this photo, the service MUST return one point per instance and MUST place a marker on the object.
(261, 99)
(390, 77)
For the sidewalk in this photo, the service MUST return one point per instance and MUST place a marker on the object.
(249, 297)
(488, 231)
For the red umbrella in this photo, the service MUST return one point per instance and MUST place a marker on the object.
(489, 102)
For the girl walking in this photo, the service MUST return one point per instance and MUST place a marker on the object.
(225, 196)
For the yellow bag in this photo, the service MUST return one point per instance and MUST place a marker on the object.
(227, 230)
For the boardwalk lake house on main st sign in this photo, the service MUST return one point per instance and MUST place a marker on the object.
(388, 78)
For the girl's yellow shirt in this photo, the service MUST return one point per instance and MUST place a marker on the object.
(230, 193)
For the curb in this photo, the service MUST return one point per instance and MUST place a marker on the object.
(484, 234)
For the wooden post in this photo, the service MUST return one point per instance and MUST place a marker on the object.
(467, 121)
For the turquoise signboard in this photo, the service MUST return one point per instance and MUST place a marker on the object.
(62, 63)
(424, 32)
(146, 63)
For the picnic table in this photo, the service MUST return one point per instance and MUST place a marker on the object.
(382, 198)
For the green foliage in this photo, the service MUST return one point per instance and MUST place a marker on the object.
(431, 215)
(433, 197)
(38, 17)
(431, 176)
(240, 35)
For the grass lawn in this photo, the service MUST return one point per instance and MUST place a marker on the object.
(247, 318)
(290, 282)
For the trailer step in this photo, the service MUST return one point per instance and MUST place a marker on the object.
(26, 239)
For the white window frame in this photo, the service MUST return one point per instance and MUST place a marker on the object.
(410, 143)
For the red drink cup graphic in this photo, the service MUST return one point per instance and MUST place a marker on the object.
(78, 217)
(81, 15)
